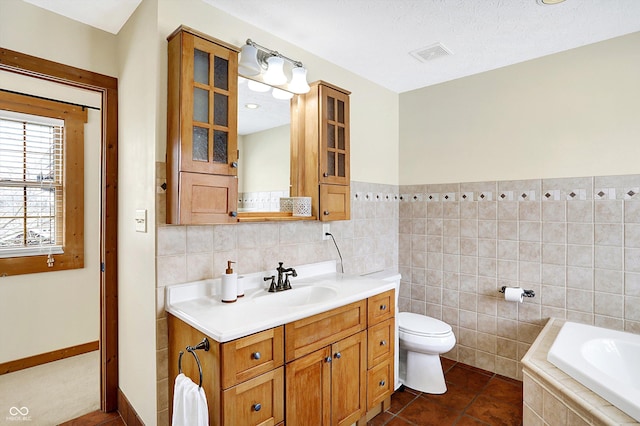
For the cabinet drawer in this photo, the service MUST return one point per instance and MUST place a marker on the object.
(380, 340)
(250, 356)
(309, 334)
(381, 307)
(380, 383)
(259, 401)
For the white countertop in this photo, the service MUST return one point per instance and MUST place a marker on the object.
(199, 304)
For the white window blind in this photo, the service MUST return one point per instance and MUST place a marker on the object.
(31, 172)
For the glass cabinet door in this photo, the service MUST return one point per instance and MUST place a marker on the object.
(334, 137)
(209, 80)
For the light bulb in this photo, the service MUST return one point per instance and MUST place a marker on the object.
(256, 86)
(299, 80)
(281, 94)
(248, 64)
(275, 71)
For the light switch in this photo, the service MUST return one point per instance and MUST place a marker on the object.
(141, 220)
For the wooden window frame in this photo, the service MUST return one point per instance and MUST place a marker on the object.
(74, 118)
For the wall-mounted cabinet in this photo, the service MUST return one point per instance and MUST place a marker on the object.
(320, 142)
(202, 154)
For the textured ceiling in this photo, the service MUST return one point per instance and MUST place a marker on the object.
(373, 38)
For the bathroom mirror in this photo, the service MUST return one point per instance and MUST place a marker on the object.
(264, 150)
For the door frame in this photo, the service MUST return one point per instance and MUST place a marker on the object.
(108, 87)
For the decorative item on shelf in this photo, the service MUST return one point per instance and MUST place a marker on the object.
(286, 204)
(302, 206)
(268, 65)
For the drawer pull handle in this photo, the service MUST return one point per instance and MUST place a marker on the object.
(382, 383)
(338, 355)
(257, 407)
(256, 355)
(383, 307)
(327, 359)
(383, 343)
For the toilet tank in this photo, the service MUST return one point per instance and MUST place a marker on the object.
(390, 275)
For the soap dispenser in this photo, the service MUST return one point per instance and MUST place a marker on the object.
(229, 284)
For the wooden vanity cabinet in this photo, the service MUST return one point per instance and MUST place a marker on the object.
(328, 385)
(381, 348)
(202, 152)
(320, 142)
(333, 368)
(243, 379)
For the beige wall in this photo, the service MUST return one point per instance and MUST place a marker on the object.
(574, 113)
(374, 148)
(138, 83)
(30, 29)
(264, 161)
(49, 311)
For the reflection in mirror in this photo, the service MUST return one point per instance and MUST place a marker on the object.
(263, 145)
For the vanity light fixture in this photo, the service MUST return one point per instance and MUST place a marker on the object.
(281, 94)
(256, 86)
(257, 60)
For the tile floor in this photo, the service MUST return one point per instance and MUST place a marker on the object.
(473, 397)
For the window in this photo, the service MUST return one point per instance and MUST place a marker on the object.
(41, 185)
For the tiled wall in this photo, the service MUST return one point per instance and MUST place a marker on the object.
(368, 242)
(575, 242)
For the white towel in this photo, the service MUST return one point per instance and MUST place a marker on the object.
(189, 403)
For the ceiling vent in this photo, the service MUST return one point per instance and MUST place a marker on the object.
(431, 52)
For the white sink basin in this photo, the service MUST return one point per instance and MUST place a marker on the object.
(297, 296)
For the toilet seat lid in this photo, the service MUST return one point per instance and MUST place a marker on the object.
(422, 325)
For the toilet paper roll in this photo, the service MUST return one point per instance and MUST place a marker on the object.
(513, 294)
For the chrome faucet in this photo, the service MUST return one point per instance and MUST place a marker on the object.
(283, 278)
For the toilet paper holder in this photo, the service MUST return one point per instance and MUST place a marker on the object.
(527, 293)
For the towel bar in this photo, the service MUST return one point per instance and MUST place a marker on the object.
(192, 349)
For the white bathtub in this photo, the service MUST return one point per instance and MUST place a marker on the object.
(606, 361)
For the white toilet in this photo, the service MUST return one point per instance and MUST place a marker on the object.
(419, 342)
(422, 340)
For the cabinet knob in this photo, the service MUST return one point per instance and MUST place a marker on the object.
(233, 214)
(383, 307)
(327, 359)
(256, 355)
(326, 212)
(383, 343)
(234, 165)
(325, 174)
(338, 355)
(382, 383)
(256, 407)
